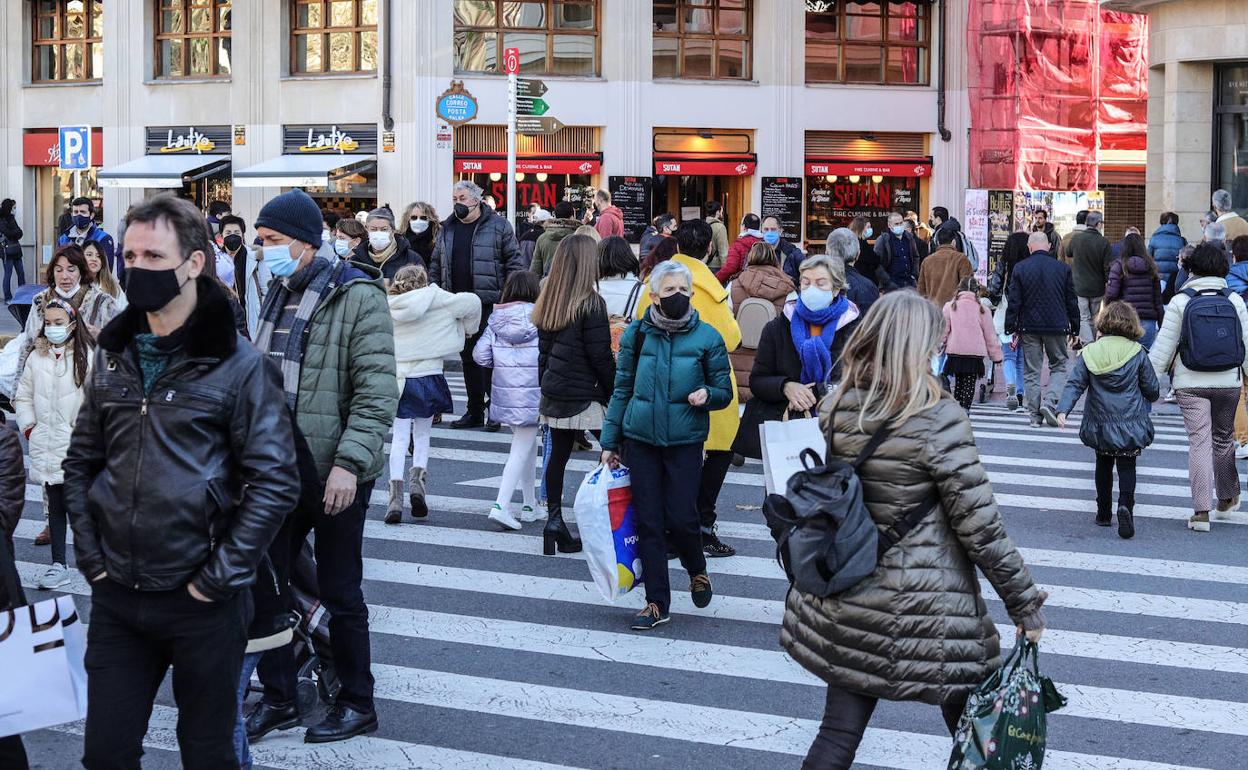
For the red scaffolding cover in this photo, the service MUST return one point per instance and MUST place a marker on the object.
(1051, 82)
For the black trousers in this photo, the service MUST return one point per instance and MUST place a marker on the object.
(339, 548)
(666, 506)
(714, 471)
(58, 520)
(13, 753)
(477, 379)
(133, 639)
(845, 718)
(1105, 482)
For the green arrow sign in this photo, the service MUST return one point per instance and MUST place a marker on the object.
(527, 105)
(530, 87)
(536, 125)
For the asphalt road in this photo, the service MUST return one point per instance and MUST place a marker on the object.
(489, 655)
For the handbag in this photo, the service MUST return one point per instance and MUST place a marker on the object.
(42, 647)
(782, 444)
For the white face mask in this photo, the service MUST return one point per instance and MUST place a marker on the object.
(378, 240)
(67, 294)
(419, 226)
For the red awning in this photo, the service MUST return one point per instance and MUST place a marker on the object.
(704, 165)
(904, 167)
(497, 164)
(43, 148)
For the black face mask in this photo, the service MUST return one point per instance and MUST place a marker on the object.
(674, 306)
(461, 211)
(151, 290)
(233, 242)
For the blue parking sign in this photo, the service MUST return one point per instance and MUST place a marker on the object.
(75, 148)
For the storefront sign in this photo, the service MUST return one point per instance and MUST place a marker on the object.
(704, 167)
(188, 140)
(498, 165)
(917, 167)
(240, 135)
(830, 205)
(456, 105)
(43, 148)
(782, 199)
(632, 195)
(356, 138)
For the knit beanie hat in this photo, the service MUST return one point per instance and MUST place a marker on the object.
(382, 213)
(293, 214)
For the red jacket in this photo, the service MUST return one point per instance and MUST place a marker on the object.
(737, 254)
(610, 222)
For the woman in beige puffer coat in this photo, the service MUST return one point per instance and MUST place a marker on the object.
(916, 629)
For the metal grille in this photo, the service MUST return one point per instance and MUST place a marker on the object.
(1124, 207)
(569, 140)
(865, 145)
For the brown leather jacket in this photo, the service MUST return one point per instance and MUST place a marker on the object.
(940, 274)
(765, 282)
(918, 628)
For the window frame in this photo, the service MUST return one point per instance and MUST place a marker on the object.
(185, 35)
(714, 37)
(549, 32)
(356, 30)
(844, 13)
(89, 41)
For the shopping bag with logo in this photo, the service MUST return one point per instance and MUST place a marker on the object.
(1004, 725)
(41, 654)
(782, 444)
(608, 529)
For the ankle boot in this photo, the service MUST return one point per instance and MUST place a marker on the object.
(1104, 514)
(556, 533)
(394, 511)
(416, 478)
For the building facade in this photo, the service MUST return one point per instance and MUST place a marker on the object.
(1197, 105)
(818, 109)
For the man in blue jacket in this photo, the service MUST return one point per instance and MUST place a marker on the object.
(1044, 310)
(899, 253)
(83, 229)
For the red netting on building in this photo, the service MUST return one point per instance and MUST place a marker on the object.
(1050, 82)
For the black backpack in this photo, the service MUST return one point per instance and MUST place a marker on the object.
(826, 540)
(1210, 339)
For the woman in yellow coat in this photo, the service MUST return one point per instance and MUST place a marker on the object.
(710, 299)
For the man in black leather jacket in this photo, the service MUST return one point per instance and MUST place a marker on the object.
(179, 474)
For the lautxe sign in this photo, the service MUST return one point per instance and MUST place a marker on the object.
(188, 140)
(913, 167)
(351, 139)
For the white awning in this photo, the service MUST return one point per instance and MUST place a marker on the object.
(158, 170)
(297, 170)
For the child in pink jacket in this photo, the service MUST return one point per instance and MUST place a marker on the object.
(969, 337)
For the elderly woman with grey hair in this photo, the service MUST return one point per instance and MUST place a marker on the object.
(860, 289)
(388, 251)
(672, 372)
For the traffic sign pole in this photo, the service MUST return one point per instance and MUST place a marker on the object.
(511, 62)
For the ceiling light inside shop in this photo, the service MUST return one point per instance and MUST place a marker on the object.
(541, 176)
(520, 176)
(854, 178)
(494, 177)
(831, 177)
(877, 179)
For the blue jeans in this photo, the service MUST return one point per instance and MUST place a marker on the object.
(1150, 334)
(240, 732)
(11, 265)
(1012, 364)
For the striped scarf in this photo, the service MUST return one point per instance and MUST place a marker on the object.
(315, 281)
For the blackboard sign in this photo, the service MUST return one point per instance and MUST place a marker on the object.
(782, 198)
(632, 195)
(903, 198)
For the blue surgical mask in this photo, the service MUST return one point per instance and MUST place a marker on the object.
(815, 298)
(866, 234)
(56, 334)
(342, 247)
(279, 260)
(898, 230)
(771, 237)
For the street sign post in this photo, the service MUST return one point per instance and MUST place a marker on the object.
(511, 63)
(530, 87)
(535, 125)
(75, 149)
(531, 105)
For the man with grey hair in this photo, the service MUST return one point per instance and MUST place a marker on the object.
(475, 251)
(1225, 209)
(861, 290)
(1043, 310)
(1091, 257)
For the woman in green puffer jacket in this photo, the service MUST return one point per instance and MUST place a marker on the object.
(672, 372)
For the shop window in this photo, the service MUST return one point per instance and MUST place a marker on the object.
(704, 39)
(855, 41)
(555, 37)
(1231, 136)
(333, 36)
(67, 40)
(193, 38)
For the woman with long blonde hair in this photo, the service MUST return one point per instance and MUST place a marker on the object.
(419, 225)
(102, 273)
(576, 368)
(916, 629)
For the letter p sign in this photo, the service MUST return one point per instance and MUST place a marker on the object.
(75, 148)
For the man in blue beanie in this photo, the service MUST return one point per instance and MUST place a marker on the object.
(326, 324)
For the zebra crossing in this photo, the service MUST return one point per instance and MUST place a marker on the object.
(489, 655)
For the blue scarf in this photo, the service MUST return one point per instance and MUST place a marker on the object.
(816, 354)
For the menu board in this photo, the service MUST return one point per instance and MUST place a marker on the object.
(632, 195)
(782, 198)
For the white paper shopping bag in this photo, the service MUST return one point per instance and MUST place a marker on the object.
(782, 444)
(41, 654)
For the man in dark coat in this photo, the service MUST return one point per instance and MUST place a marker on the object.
(861, 290)
(475, 251)
(1091, 257)
(899, 253)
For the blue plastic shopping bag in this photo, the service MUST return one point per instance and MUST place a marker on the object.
(608, 528)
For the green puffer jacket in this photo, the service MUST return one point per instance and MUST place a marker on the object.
(348, 391)
(654, 375)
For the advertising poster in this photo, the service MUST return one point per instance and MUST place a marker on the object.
(1000, 224)
(976, 228)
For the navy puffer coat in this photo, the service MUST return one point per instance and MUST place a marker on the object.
(1165, 245)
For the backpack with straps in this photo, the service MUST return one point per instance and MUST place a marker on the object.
(826, 540)
(754, 314)
(1210, 338)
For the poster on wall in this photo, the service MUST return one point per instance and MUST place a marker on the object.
(1000, 224)
(782, 198)
(632, 195)
(976, 228)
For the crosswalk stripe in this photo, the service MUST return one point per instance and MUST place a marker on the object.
(1053, 437)
(1072, 422)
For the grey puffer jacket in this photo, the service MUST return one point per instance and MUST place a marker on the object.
(509, 345)
(1120, 382)
(917, 629)
(495, 255)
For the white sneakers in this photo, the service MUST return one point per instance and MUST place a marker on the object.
(503, 518)
(56, 576)
(1241, 452)
(528, 513)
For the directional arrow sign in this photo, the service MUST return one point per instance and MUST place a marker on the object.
(527, 105)
(530, 87)
(536, 125)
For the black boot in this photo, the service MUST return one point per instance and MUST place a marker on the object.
(556, 532)
(1126, 517)
(266, 717)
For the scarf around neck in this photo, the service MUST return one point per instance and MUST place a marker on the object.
(668, 325)
(816, 354)
(382, 257)
(315, 281)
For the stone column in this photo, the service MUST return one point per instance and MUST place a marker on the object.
(627, 68)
